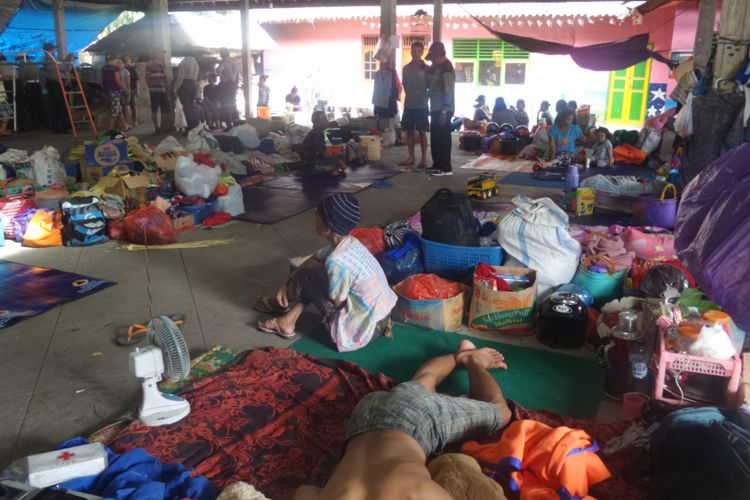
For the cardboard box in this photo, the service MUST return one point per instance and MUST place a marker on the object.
(585, 200)
(183, 223)
(446, 314)
(130, 187)
(55, 467)
(509, 312)
(91, 174)
(109, 154)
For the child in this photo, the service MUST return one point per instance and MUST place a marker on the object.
(603, 149)
(212, 99)
(313, 148)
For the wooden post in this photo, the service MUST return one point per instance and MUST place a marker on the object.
(731, 52)
(158, 10)
(704, 35)
(61, 34)
(247, 62)
(437, 21)
(388, 25)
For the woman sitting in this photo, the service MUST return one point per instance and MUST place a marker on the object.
(564, 135)
(501, 114)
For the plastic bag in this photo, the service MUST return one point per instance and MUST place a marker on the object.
(247, 135)
(200, 139)
(44, 230)
(233, 202)
(194, 179)
(400, 263)
(657, 279)
(629, 154)
(712, 232)
(373, 238)
(21, 223)
(683, 121)
(713, 342)
(149, 226)
(116, 230)
(168, 145)
(180, 122)
(48, 169)
(429, 287)
(650, 140)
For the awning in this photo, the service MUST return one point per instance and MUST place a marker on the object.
(33, 25)
(223, 30)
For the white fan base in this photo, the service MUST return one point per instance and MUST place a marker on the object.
(159, 408)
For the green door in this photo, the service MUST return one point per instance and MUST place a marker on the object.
(628, 94)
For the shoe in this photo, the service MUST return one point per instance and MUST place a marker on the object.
(438, 173)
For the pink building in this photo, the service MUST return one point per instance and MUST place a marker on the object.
(327, 53)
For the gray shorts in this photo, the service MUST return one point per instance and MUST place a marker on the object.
(433, 420)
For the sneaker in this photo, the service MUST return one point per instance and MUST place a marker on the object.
(438, 173)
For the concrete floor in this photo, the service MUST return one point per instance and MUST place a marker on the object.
(62, 375)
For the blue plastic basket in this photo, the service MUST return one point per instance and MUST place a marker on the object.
(455, 262)
(200, 212)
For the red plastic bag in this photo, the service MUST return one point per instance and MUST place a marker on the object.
(373, 238)
(116, 230)
(428, 287)
(149, 226)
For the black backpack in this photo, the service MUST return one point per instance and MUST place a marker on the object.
(447, 218)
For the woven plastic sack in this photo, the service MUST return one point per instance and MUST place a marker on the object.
(48, 169)
(149, 226)
(712, 232)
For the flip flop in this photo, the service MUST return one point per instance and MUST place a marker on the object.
(262, 305)
(276, 330)
(137, 331)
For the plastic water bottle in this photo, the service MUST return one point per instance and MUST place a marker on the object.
(639, 358)
(571, 183)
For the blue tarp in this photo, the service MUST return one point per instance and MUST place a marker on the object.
(34, 25)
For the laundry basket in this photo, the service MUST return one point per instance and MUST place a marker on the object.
(653, 210)
(456, 262)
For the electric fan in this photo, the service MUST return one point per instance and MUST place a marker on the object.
(167, 356)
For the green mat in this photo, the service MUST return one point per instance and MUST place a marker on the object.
(564, 384)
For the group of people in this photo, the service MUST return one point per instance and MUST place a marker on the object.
(120, 83)
(515, 115)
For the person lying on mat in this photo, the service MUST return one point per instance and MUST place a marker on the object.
(392, 434)
(313, 151)
(343, 280)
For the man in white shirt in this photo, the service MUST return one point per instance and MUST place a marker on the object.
(186, 88)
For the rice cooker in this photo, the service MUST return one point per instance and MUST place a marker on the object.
(563, 320)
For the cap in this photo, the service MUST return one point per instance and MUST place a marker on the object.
(436, 49)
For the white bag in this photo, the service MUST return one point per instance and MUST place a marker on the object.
(48, 169)
(535, 233)
(233, 202)
(200, 139)
(247, 135)
(194, 179)
(683, 121)
(168, 145)
(180, 122)
(649, 140)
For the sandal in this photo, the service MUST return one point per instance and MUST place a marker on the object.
(275, 330)
(263, 305)
(137, 332)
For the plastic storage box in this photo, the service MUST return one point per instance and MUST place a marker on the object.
(200, 212)
(454, 262)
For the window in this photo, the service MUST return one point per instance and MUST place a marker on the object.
(496, 62)
(369, 64)
(464, 72)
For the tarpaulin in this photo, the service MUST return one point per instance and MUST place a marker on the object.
(610, 56)
(34, 25)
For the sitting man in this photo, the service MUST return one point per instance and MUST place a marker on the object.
(344, 281)
(392, 434)
(313, 150)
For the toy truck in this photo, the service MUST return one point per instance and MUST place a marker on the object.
(482, 186)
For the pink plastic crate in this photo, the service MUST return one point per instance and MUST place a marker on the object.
(730, 369)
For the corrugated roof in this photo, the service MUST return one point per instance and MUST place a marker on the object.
(533, 10)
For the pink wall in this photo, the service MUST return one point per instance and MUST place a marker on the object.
(324, 58)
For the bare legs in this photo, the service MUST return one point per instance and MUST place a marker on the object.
(477, 362)
(411, 143)
(423, 143)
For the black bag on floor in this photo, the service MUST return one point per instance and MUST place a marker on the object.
(447, 218)
(229, 144)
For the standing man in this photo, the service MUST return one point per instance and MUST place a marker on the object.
(442, 93)
(59, 122)
(416, 115)
(133, 89)
(186, 88)
(264, 91)
(229, 79)
(156, 79)
(113, 85)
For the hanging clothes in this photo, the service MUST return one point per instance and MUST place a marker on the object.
(386, 93)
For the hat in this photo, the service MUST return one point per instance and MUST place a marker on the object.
(480, 98)
(340, 212)
(436, 49)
